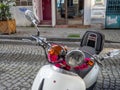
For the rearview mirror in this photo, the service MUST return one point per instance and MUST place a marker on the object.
(31, 17)
(113, 53)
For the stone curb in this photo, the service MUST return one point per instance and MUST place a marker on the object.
(50, 39)
(31, 42)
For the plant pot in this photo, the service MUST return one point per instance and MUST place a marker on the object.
(8, 27)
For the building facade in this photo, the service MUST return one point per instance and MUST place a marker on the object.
(63, 12)
(60, 12)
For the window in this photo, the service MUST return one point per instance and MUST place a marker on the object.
(70, 12)
(23, 2)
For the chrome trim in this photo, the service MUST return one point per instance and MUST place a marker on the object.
(67, 58)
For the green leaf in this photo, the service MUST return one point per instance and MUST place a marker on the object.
(5, 6)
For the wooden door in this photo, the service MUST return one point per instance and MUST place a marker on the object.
(46, 5)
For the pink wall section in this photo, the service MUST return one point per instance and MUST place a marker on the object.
(39, 6)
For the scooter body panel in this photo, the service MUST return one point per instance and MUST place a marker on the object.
(91, 77)
(50, 79)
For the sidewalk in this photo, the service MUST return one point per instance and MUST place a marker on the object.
(112, 35)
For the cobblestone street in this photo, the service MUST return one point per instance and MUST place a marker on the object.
(19, 65)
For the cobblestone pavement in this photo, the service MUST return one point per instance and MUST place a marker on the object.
(19, 65)
(109, 76)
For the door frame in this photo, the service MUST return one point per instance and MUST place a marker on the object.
(53, 12)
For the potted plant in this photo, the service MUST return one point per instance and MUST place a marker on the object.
(7, 23)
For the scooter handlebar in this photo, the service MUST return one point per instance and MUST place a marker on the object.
(41, 40)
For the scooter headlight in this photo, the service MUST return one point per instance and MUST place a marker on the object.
(75, 58)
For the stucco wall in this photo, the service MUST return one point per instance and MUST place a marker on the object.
(98, 12)
(19, 15)
(87, 12)
(37, 7)
(53, 13)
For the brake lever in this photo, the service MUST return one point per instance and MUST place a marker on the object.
(98, 60)
(100, 63)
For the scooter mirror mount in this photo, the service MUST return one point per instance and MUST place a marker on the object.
(31, 17)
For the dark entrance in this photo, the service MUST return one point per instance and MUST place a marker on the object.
(70, 12)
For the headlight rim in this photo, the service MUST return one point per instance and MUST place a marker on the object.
(75, 51)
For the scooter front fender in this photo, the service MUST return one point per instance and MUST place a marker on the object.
(50, 79)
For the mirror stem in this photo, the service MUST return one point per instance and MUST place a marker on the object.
(38, 31)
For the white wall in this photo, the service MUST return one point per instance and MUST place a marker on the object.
(53, 13)
(37, 4)
(94, 13)
(87, 12)
(19, 15)
(98, 11)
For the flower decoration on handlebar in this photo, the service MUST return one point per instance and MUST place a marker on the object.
(56, 53)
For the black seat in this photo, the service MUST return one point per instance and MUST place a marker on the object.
(93, 39)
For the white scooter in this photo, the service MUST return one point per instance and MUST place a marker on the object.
(69, 70)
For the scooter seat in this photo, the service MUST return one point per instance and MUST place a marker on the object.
(93, 39)
(89, 50)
